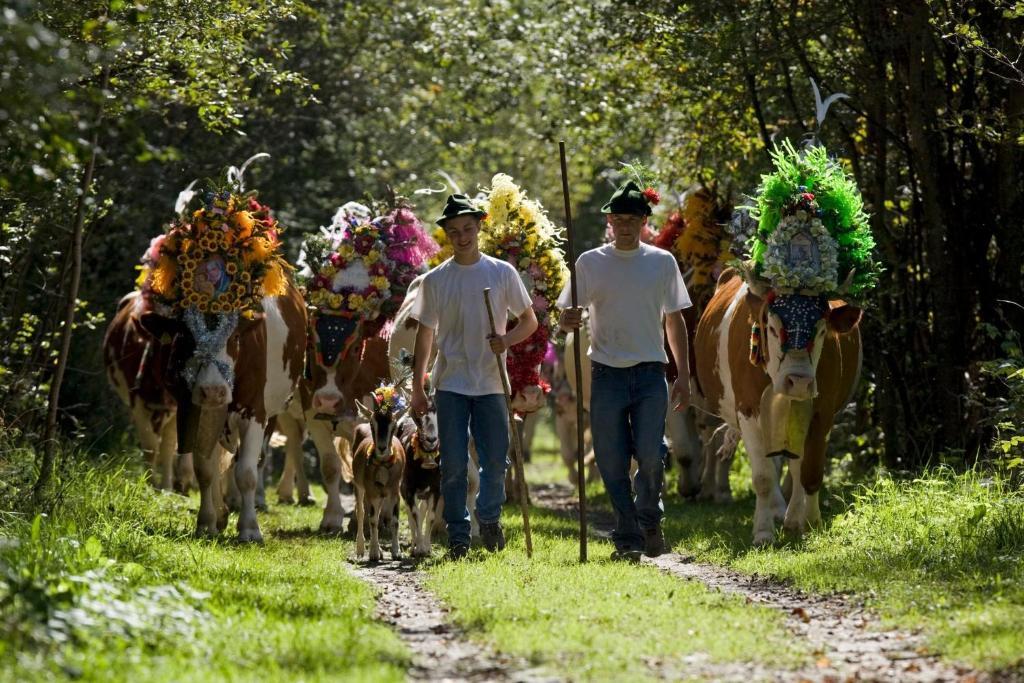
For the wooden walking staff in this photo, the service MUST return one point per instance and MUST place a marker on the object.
(517, 446)
(580, 478)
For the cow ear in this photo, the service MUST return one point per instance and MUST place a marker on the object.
(844, 318)
(161, 328)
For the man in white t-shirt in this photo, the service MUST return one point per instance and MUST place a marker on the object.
(635, 295)
(470, 395)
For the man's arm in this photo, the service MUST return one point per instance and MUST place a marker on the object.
(424, 344)
(675, 332)
(525, 326)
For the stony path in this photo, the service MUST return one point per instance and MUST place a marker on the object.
(848, 640)
(441, 652)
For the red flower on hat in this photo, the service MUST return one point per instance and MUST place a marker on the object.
(807, 196)
(652, 196)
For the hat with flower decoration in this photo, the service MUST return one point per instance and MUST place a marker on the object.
(637, 195)
(458, 205)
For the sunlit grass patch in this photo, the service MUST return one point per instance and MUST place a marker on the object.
(943, 552)
(120, 590)
(602, 620)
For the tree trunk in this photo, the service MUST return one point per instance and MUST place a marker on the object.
(50, 435)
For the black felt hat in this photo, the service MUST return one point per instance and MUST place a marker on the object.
(458, 205)
(628, 199)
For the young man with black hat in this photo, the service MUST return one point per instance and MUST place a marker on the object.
(470, 396)
(635, 296)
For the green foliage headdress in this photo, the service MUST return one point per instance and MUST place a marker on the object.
(812, 231)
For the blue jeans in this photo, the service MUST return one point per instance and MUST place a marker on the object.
(486, 417)
(627, 418)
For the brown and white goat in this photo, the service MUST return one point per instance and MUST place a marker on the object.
(378, 461)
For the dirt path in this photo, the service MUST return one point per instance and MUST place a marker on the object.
(440, 650)
(847, 639)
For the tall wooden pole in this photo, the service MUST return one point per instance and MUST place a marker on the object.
(581, 482)
(517, 446)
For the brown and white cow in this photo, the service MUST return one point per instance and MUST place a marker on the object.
(137, 367)
(231, 376)
(378, 462)
(782, 394)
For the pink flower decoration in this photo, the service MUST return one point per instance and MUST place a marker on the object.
(153, 254)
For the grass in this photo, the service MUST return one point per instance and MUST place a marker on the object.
(603, 620)
(112, 586)
(943, 552)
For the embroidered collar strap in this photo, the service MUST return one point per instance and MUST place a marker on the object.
(208, 345)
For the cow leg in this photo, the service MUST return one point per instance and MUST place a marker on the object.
(246, 473)
(149, 440)
(396, 549)
(360, 519)
(167, 453)
(681, 429)
(778, 499)
(184, 469)
(722, 459)
(292, 432)
(795, 520)
(473, 488)
(261, 474)
(208, 424)
(375, 508)
(333, 520)
(765, 480)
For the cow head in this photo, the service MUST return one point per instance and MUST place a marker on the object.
(205, 348)
(383, 410)
(790, 329)
(428, 443)
(334, 361)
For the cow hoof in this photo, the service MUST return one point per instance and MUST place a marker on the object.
(261, 506)
(307, 501)
(285, 500)
(723, 498)
(375, 556)
(250, 536)
(763, 538)
(396, 556)
(207, 531)
(332, 525)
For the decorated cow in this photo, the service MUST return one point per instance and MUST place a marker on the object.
(356, 274)
(697, 237)
(137, 367)
(778, 347)
(219, 292)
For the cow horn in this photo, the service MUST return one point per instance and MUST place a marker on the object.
(757, 285)
(845, 287)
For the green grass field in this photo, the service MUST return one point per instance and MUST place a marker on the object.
(112, 586)
(943, 552)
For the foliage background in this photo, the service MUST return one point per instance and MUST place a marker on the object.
(349, 97)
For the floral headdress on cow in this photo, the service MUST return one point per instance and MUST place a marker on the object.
(223, 256)
(697, 238)
(358, 270)
(812, 233)
(517, 229)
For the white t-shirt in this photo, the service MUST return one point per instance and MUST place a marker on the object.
(451, 301)
(628, 293)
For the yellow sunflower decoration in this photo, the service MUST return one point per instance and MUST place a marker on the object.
(224, 257)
